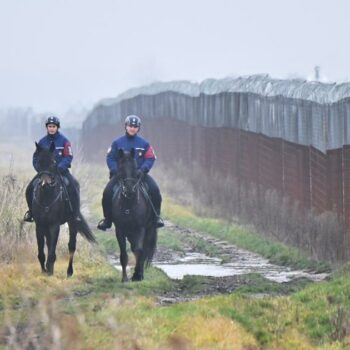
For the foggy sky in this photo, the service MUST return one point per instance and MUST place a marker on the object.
(57, 53)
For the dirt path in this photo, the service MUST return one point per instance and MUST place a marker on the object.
(196, 273)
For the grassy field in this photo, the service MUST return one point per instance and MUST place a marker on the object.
(94, 310)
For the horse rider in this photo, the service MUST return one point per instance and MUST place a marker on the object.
(145, 159)
(63, 158)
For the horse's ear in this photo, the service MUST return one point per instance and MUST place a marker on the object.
(132, 152)
(52, 147)
(120, 153)
(38, 147)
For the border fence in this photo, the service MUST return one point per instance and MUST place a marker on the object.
(290, 137)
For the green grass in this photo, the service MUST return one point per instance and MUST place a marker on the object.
(107, 242)
(256, 284)
(169, 241)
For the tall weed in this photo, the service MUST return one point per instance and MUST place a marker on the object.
(15, 236)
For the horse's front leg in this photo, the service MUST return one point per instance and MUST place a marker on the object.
(139, 255)
(41, 242)
(71, 246)
(51, 241)
(123, 254)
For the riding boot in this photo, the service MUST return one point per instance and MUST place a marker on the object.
(106, 223)
(74, 196)
(156, 198)
(157, 202)
(73, 191)
(159, 220)
(28, 216)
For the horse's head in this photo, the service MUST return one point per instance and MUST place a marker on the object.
(46, 158)
(47, 165)
(126, 174)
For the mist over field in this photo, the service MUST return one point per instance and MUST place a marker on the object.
(63, 57)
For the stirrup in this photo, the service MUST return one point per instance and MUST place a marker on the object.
(28, 217)
(104, 224)
(159, 222)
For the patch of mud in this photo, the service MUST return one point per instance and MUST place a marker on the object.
(192, 288)
(253, 286)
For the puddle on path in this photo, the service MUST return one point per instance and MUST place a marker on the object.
(202, 265)
(237, 261)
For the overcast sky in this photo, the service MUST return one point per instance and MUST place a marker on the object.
(57, 53)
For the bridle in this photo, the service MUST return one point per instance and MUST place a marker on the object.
(125, 190)
(52, 184)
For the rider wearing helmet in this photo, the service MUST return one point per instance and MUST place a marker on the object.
(63, 157)
(145, 158)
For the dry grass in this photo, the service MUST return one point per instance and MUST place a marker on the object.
(33, 305)
(216, 332)
(15, 236)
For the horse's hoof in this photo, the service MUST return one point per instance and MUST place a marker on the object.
(137, 278)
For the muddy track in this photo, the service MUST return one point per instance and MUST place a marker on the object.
(230, 267)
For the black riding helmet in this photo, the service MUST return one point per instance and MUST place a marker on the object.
(133, 120)
(52, 120)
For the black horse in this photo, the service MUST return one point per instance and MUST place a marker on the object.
(133, 216)
(51, 208)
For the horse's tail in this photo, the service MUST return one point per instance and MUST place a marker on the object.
(84, 229)
(150, 244)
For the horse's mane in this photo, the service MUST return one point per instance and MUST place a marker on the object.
(46, 157)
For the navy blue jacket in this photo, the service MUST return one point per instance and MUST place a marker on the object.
(144, 153)
(63, 151)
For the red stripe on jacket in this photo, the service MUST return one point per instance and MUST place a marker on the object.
(150, 153)
(67, 151)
